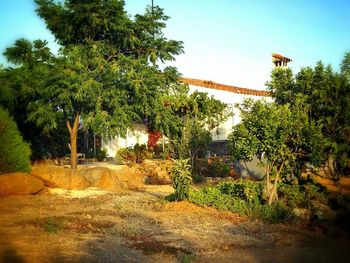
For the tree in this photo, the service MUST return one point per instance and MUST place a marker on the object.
(199, 113)
(14, 155)
(277, 135)
(18, 87)
(106, 74)
(325, 95)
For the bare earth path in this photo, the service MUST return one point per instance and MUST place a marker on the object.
(98, 226)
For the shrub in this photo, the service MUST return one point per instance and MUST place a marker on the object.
(301, 195)
(15, 153)
(126, 154)
(218, 168)
(211, 168)
(133, 155)
(249, 191)
(243, 197)
(101, 154)
(182, 180)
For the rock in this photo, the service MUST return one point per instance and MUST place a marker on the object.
(102, 178)
(44, 162)
(93, 175)
(131, 178)
(19, 184)
(322, 212)
(59, 177)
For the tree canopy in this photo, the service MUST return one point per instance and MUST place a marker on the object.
(278, 136)
(325, 95)
(106, 73)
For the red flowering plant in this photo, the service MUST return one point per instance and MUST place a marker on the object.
(153, 138)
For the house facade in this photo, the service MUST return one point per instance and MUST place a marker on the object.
(230, 95)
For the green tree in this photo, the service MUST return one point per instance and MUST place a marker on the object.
(277, 135)
(18, 87)
(14, 155)
(199, 114)
(107, 73)
(325, 95)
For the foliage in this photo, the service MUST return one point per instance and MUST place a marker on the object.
(126, 154)
(246, 190)
(218, 168)
(106, 73)
(279, 136)
(300, 195)
(182, 180)
(198, 112)
(325, 95)
(242, 197)
(15, 153)
(133, 155)
(213, 167)
(17, 88)
(153, 138)
(101, 154)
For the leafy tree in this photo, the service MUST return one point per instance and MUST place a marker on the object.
(199, 113)
(106, 74)
(277, 135)
(325, 95)
(18, 87)
(14, 155)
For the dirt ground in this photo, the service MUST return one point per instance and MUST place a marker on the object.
(99, 226)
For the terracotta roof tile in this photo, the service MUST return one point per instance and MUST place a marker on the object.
(213, 85)
(279, 56)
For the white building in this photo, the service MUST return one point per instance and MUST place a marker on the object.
(230, 95)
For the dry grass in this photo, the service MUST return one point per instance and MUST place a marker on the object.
(98, 226)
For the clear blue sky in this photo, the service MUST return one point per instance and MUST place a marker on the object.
(226, 41)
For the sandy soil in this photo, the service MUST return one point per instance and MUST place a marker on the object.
(99, 226)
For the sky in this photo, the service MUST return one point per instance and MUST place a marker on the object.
(225, 41)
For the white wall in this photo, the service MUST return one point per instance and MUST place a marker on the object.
(230, 98)
(139, 134)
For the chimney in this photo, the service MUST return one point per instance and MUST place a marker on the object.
(279, 60)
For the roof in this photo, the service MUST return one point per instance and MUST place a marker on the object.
(213, 85)
(279, 56)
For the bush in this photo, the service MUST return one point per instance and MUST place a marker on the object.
(301, 195)
(15, 153)
(211, 168)
(218, 168)
(243, 197)
(133, 155)
(182, 180)
(101, 154)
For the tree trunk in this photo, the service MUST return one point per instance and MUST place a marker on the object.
(73, 132)
(273, 194)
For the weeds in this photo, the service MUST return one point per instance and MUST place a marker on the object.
(53, 225)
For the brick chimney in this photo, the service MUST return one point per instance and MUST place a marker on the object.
(279, 60)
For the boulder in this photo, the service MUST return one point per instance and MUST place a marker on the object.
(19, 184)
(130, 177)
(59, 177)
(102, 178)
